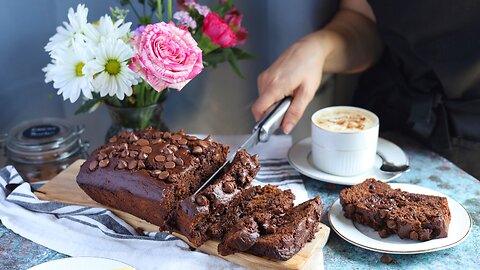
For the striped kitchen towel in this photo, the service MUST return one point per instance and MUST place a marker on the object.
(87, 231)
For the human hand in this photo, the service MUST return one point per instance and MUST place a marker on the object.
(297, 73)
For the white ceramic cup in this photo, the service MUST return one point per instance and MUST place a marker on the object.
(342, 150)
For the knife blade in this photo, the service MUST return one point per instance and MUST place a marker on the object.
(262, 131)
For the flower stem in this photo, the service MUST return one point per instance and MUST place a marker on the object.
(159, 10)
(169, 10)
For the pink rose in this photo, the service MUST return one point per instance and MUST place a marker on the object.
(166, 56)
(218, 31)
(234, 19)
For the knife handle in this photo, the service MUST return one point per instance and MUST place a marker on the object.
(272, 119)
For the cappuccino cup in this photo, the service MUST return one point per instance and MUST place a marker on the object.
(344, 140)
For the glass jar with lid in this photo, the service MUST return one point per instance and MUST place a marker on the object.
(40, 149)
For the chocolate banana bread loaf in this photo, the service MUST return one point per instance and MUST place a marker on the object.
(392, 211)
(146, 173)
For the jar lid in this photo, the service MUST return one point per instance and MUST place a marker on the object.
(43, 140)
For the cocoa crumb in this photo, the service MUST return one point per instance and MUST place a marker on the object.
(386, 259)
(140, 231)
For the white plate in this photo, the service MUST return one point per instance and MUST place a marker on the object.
(366, 237)
(82, 263)
(300, 156)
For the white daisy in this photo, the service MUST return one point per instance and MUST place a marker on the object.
(109, 68)
(66, 72)
(106, 28)
(70, 31)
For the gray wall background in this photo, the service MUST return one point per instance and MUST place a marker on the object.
(216, 102)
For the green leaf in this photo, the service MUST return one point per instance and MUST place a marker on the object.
(242, 55)
(124, 2)
(232, 60)
(223, 8)
(215, 57)
(90, 105)
(152, 4)
(206, 45)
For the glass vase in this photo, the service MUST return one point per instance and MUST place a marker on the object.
(135, 118)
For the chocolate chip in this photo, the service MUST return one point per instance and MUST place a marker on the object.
(139, 231)
(167, 135)
(103, 163)
(157, 141)
(163, 175)
(383, 233)
(167, 151)
(142, 155)
(413, 235)
(122, 164)
(170, 157)
(147, 149)
(140, 165)
(386, 259)
(93, 165)
(182, 141)
(112, 154)
(176, 137)
(101, 156)
(132, 164)
(244, 160)
(201, 200)
(113, 139)
(155, 172)
(132, 137)
(159, 158)
(383, 213)
(178, 161)
(228, 187)
(142, 142)
(170, 165)
(208, 138)
(125, 153)
(172, 147)
(133, 154)
(123, 146)
(203, 144)
(391, 224)
(197, 150)
(192, 138)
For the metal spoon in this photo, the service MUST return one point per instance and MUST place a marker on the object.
(389, 167)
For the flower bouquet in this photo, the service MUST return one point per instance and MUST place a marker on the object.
(131, 71)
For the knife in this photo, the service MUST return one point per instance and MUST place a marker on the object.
(262, 131)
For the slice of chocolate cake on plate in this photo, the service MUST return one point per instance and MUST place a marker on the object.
(392, 211)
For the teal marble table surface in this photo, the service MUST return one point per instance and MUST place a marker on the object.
(427, 170)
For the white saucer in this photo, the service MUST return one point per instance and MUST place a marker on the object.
(82, 263)
(366, 237)
(299, 157)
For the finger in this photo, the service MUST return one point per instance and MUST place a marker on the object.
(264, 102)
(271, 90)
(302, 97)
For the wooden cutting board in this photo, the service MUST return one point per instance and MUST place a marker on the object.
(63, 188)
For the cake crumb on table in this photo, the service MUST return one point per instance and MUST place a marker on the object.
(386, 259)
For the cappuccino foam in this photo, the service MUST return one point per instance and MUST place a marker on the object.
(344, 121)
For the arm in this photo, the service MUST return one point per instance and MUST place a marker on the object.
(349, 43)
